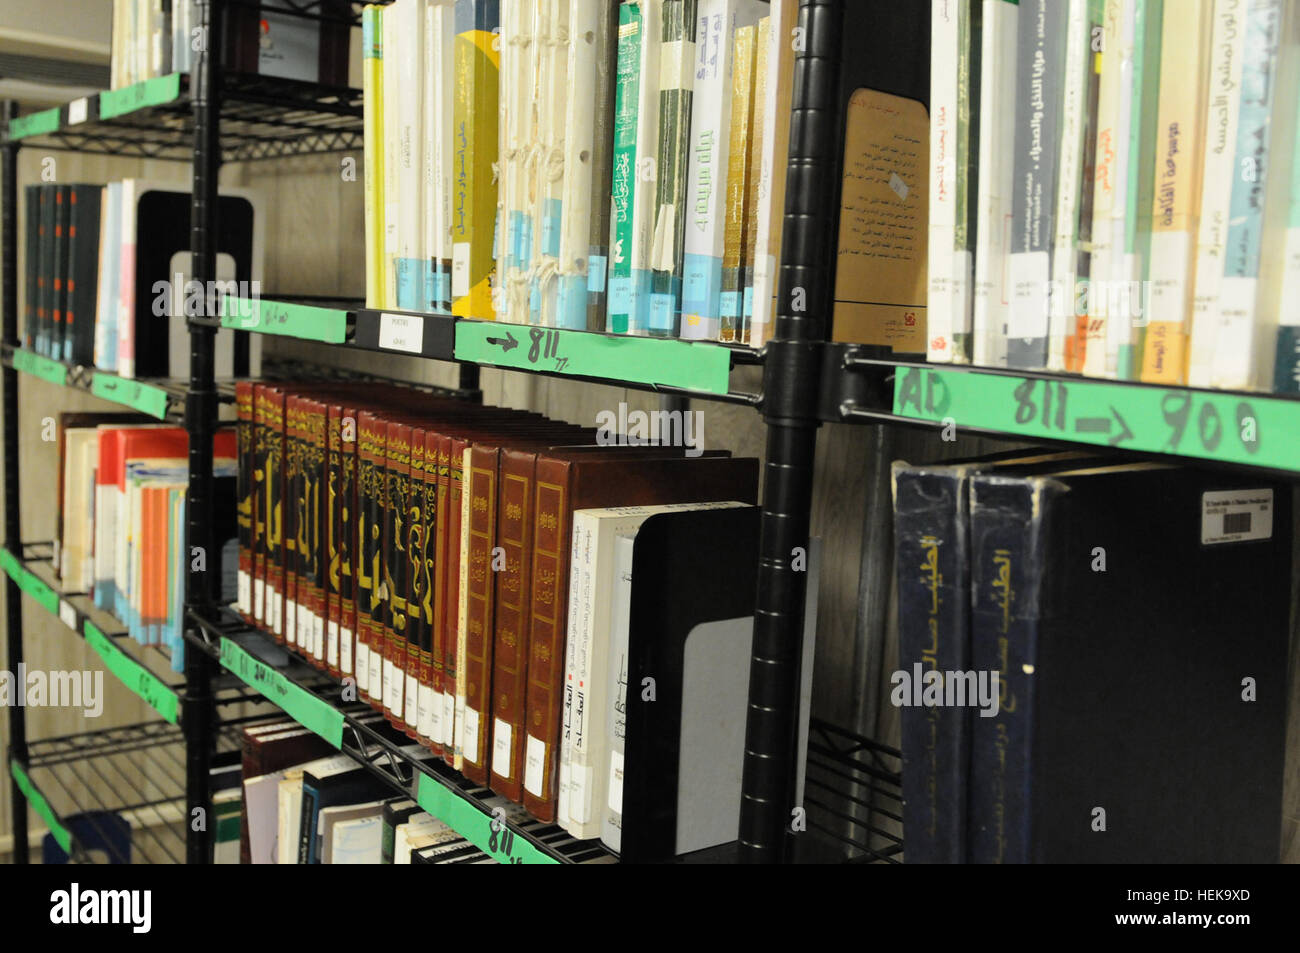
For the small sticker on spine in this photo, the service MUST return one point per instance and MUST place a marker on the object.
(534, 765)
(1236, 516)
(501, 732)
(401, 332)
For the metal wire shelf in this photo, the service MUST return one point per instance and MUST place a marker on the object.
(854, 798)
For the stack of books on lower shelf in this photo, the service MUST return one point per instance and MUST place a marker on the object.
(122, 481)
(471, 569)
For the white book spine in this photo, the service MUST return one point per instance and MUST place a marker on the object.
(391, 27)
(1122, 268)
(579, 141)
(552, 167)
(997, 144)
(580, 589)
(432, 135)
(940, 296)
(611, 808)
(1074, 104)
(1227, 45)
(646, 170)
(770, 217)
(410, 155)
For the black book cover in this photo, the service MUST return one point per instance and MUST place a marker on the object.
(707, 561)
(354, 786)
(1139, 614)
(59, 340)
(83, 269)
(45, 272)
(396, 812)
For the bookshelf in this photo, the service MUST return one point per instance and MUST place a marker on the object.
(209, 118)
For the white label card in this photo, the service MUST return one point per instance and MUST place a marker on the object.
(78, 110)
(501, 732)
(534, 763)
(401, 332)
(68, 615)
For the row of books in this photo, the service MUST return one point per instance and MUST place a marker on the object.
(461, 564)
(1113, 189)
(154, 38)
(107, 276)
(121, 521)
(287, 797)
(581, 163)
(1078, 681)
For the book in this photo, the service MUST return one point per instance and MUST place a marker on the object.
(737, 221)
(1280, 272)
(477, 65)
(946, 19)
(439, 108)
(60, 340)
(352, 833)
(605, 61)
(635, 166)
(1081, 748)
(762, 46)
(83, 272)
(586, 53)
(406, 141)
(996, 117)
(565, 483)
(372, 72)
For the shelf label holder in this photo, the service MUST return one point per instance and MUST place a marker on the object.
(491, 835)
(134, 394)
(41, 806)
(300, 704)
(155, 692)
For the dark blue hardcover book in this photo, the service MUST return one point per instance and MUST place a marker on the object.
(1138, 617)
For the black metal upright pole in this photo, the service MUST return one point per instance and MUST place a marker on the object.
(790, 393)
(201, 420)
(13, 521)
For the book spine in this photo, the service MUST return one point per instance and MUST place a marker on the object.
(307, 824)
(245, 497)
(331, 577)
(1286, 369)
(932, 560)
(390, 90)
(349, 545)
(452, 716)
(413, 527)
(372, 79)
(277, 510)
(940, 302)
(465, 732)
(1223, 104)
(772, 174)
(579, 139)
(1141, 185)
(409, 139)
(1007, 526)
(969, 50)
(293, 520)
(602, 158)
(83, 272)
(31, 263)
(1075, 308)
(433, 169)
(477, 63)
(369, 603)
(757, 133)
(737, 222)
(611, 826)
(1041, 71)
(706, 178)
(510, 647)
(676, 85)
(311, 561)
(110, 234)
(551, 534)
(997, 119)
(441, 727)
(397, 470)
(1234, 366)
(126, 281)
(427, 573)
(548, 209)
(577, 645)
(260, 490)
(1180, 149)
(480, 569)
(1070, 181)
(45, 316)
(60, 339)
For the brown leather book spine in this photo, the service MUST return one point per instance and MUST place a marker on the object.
(415, 584)
(347, 521)
(310, 558)
(261, 445)
(510, 623)
(244, 497)
(371, 435)
(551, 491)
(442, 451)
(481, 484)
(451, 630)
(397, 468)
(330, 574)
(426, 696)
(273, 617)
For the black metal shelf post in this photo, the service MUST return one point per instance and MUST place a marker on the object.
(790, 388)
(13, 521)
(200, 422)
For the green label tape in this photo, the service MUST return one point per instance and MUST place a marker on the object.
(151, 92)
(41, 806)
(487, 833)
(691, 365)
(142, 397)
(298, 703)
(279, 317)
(29, 582)
(47, 369)
(34, 124)
(1256, 431)
(133, 675)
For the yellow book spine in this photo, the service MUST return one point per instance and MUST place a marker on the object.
(474, 145)
(762, 42)
(738, 172)
(1176, 204)
(372, 80)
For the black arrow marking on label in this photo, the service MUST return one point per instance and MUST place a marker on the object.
(1103, 425)
(507, 343)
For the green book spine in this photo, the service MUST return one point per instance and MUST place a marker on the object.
(623, 173)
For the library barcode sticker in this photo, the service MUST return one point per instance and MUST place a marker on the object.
(1234, 516)
(78, 109)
